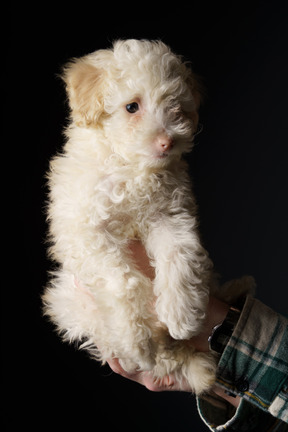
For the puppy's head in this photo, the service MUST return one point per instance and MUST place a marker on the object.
(140, 95)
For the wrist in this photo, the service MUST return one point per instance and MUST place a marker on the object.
(222, 332)
(217, 311)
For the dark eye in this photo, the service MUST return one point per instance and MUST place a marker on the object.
(132, 107)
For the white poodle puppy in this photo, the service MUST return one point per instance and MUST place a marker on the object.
(121, 178)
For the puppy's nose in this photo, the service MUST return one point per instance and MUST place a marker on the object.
(164, 143)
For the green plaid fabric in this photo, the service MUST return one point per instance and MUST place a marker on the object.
(254, 365)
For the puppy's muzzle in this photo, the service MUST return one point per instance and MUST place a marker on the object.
(163, 143)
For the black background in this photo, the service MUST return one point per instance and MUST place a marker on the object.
(239, 167)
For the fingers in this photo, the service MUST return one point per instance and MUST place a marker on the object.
(117, 368)
(167, 383)
(148, 380)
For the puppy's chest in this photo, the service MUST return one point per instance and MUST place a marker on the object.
(126, 207)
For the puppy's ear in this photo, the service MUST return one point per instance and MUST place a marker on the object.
(197, 89)
(84, 85)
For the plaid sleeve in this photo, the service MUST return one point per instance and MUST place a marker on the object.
(254, 365)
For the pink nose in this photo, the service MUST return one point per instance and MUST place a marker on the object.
(164, 143)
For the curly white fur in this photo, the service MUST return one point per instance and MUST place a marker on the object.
(121, 177)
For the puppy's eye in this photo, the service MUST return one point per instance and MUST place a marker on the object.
(132, 107)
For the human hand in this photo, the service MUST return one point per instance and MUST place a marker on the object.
(216, 312)
(167, 383)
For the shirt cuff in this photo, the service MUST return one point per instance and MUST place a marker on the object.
(254, 365)
(219, 415)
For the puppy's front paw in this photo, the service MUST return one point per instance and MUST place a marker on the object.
(180, 331)
(184, 329)
(182, 323)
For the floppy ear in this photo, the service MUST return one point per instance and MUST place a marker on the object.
(197, 89)
(84, 85)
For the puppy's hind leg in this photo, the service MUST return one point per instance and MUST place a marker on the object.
(131, 317)
(183, 362)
